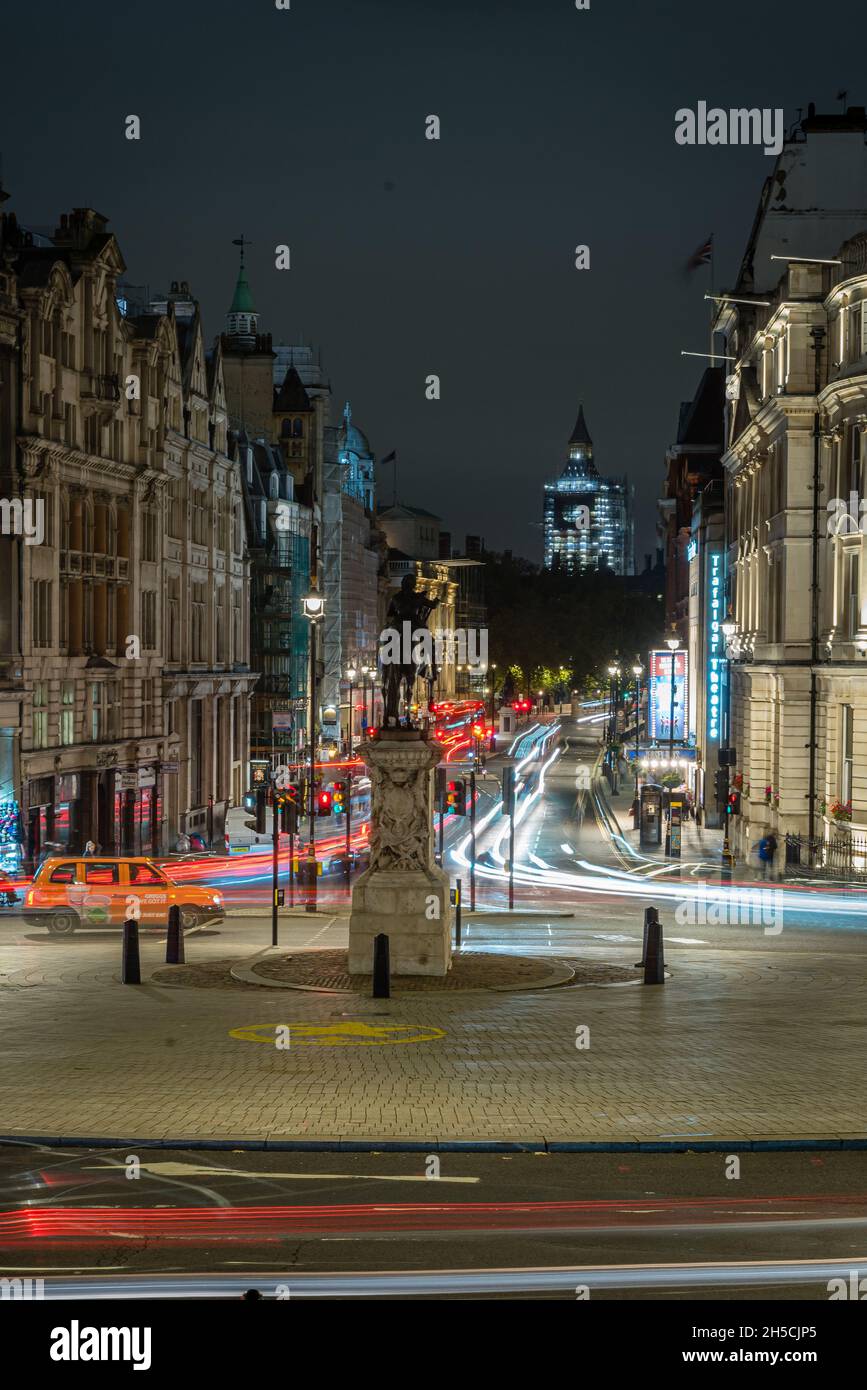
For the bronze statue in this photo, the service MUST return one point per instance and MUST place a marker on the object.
(412, 608)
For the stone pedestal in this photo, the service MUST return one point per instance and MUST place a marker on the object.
(403, 893)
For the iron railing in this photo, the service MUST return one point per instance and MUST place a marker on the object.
(843, 855)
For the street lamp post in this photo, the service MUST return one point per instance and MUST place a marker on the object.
(314, 608)
(368, 673)
(637, 671)
(351, 674)
(613, 674)
(611, 757)
(493, 692)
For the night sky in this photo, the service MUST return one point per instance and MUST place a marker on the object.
(412, 257)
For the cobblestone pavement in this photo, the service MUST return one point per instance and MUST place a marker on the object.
(751, 1038)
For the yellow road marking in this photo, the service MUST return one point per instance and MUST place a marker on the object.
(349, 1034)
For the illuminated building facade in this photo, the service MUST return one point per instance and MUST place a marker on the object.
(588, 518)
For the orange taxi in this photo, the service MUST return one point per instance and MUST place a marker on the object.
(69, 891)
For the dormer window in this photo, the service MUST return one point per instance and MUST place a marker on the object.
(274, 487)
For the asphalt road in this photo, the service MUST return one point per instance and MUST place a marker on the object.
(623, 1226)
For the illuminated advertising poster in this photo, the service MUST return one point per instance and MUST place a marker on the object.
(666, 666)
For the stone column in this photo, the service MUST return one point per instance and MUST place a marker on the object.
(403, 894)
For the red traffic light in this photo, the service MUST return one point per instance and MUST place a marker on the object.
(323, 804)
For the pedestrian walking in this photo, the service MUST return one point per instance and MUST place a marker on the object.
(767, 854)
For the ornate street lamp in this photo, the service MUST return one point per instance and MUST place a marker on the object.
(313, 606)
(351, 675)
(637, 671)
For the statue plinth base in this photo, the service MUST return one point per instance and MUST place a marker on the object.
(404, 893)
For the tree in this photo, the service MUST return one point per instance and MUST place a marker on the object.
(568, 625)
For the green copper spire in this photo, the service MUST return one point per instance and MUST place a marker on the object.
(242, 320)
(243, 300)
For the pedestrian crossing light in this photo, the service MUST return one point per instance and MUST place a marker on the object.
(323, 804)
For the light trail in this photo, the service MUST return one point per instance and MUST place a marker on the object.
(423, 1283)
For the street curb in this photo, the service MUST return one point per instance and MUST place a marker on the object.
(348, 1145)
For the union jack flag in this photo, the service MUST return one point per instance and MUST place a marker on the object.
(702, 255)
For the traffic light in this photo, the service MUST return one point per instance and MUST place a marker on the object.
(338, 798)
(288, 817)
(259, 805)
(441, 788)
(508, 791)
(456, 797)
(721, 785)
(478, 731)
(734, 804)
(323, 804)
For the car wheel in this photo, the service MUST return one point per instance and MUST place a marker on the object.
(62, 923)
(189, 918)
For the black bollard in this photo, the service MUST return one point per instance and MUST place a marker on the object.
(130, 970)
(458, 915)
(654, 958)
(650, 915)
(175, 938)
(381, 980)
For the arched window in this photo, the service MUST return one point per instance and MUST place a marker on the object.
(298, 428)
(286, 429)
(275, 486)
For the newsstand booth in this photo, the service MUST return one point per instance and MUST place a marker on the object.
(650, 815)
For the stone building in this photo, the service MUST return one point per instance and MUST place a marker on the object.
(796, 413)
(278, 531)
(127, 622)
(280, 398)
(354, 554)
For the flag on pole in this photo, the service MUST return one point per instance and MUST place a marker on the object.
(392, 458)
(702, 255)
